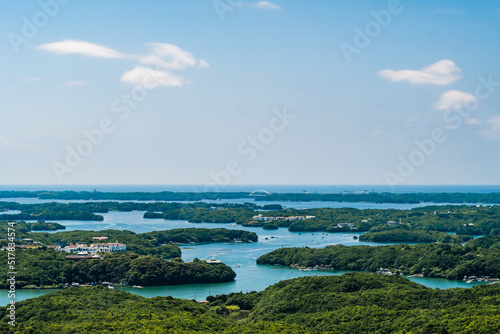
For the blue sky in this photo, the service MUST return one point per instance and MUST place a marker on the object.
(250, 92)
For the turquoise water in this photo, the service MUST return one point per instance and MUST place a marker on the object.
(293, 205)
(240, 256)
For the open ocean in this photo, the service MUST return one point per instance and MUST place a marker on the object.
(324, 189)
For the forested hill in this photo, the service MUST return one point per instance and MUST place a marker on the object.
(351, 303)
(432, 260)
(369, 197)
(49, 268)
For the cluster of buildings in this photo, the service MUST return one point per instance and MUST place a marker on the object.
(472, 279)
(83, 249)
(261, 218)
(393, 223)
(385, 271)
(341, 225)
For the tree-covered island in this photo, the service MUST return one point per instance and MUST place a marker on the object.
(351, 303)
(477, 257)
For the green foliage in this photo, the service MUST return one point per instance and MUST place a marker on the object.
(47, 267)
(101, 310)
(351, 303)
(49, 211)
(410, 198)
(86, 211)
(149, 270)
(136, 243)
(462, 220)
(200, 235)
(465, 219)
(433, 260)
(489, 241)
(270, 226)
(402, 235)
(369, 303)
(371, 197)
(207, 215)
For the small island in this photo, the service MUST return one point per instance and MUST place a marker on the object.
(414, 236)
(53, 260)
(429, 260)
(49, 268)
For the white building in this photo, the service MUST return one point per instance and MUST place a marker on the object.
(261, 218)
(351, 225)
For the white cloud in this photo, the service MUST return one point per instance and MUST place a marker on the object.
(5, 143)
(33, 80)
(413, 119)
(266, 5)
(494, 131)
(454, 99)
(447, 11)
(443, 72)
(203, 63)
(74, 83)
(83, 48)
(169, 56)
(472, 121)
(150, 78)
(162, 55)
(495, 123)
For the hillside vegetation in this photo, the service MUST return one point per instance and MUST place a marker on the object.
(351, 303)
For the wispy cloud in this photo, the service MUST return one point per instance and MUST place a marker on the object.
(74, 83)
(472, 121)
(376, 133)
(266, 5)
(162, 55)
(203, 63)
(493, 132)
(495, 123)
(33, 80)
(454, 99)
(171, 57)
(6, 143)
(82, 48)
(447, 11)
(413, 119)
(443, 72)
(141, 75)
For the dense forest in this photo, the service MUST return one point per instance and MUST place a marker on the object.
(367, 197)
(206, 215)
(417, 236)
(372, 197)
(90, 210)
(24, 227)
(431, 260)
(351, 303)
(50, 268)
(200, 235)
(136, 243)
(142, 264)
(463, 219)
(144, 243)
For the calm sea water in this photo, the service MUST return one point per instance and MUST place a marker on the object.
(240, 256)
(270, 188)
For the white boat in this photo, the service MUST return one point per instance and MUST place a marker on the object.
(137, 286)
